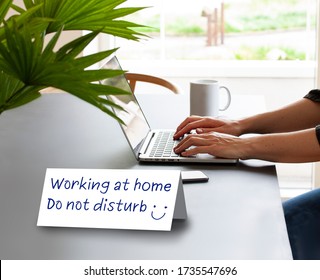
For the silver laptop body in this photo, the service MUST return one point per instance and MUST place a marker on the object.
(150, 145)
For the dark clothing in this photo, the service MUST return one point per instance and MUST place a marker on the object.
(314, 95)
(302, 214)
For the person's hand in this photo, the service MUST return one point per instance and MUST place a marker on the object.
(214, 143)
(206, 125)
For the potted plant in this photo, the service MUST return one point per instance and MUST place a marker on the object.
(29, 62)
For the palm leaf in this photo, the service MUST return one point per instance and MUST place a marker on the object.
(28, 64)
(88, 60)
(14, 94)
(90, 15)
(26, 16)
(75, 47)
(24, 58)
(8, 86)
(20, 55)
(4, 8)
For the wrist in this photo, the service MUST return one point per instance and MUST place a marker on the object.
(243, 126)
(247, 148)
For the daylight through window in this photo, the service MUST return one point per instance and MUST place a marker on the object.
(224, 30)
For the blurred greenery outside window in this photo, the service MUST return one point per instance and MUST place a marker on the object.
(253, 30)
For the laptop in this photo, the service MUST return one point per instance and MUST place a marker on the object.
(148, 145)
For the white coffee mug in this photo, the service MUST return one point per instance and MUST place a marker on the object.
(205, 98)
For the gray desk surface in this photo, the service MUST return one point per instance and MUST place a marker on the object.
(236, 215)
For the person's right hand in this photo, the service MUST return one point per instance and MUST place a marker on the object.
(206, 125)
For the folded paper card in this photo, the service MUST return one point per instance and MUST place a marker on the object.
(112, 198)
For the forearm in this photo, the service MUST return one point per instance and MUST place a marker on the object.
(291, 147)
(297, 116)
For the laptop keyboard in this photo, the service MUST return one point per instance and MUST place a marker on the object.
(163, 146)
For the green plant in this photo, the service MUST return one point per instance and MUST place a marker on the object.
(183, 26)
(29, 62)
(261, 53)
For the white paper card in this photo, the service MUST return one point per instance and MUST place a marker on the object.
(112, 198)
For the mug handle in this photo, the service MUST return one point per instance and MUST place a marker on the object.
(229, 98)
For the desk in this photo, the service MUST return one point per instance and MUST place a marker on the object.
(236, 215)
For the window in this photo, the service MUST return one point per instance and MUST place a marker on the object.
(224, 30)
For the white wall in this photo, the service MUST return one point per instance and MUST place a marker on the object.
(279, 82)
(277, 92)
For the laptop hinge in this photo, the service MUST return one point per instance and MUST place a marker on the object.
(147, 143)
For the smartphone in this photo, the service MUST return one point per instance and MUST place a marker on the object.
(194, 176)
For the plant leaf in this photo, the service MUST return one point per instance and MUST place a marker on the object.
(23, 18)
(93, 15)
(28, 63)
(75, 47)
(14, 93)
(4, 8)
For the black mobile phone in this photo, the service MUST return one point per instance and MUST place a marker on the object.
(194, 176)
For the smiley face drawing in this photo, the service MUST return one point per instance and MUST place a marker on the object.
(159, 217)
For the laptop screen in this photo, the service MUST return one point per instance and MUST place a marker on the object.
(136, 126)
